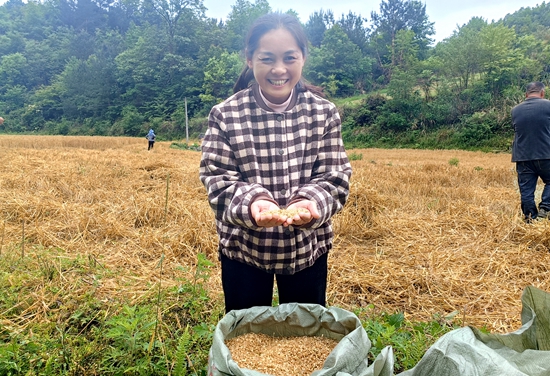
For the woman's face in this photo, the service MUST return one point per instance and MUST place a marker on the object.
(277, 64)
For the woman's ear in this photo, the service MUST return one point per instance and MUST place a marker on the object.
(248, 59)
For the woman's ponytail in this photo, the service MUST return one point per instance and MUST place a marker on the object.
(244, 79)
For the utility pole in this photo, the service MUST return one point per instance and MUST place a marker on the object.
(186, 123)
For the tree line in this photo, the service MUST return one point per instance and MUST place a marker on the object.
(119, 67)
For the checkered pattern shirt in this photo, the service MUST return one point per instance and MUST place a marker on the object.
(250, 151)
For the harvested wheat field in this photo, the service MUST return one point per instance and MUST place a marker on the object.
(419, 234)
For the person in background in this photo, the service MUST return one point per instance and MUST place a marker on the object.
(275, 169)
(151, 138)
(531, 150)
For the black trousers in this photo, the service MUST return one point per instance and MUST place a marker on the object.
(529, 173)
(151, 144)
(245, 286)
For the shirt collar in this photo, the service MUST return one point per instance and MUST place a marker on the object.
(277, 107)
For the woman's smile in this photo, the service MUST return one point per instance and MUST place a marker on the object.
(278, 82)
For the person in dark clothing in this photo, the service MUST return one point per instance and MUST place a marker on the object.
(151, 138)
(531, 150)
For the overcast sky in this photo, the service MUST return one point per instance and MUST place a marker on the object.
(446, 14)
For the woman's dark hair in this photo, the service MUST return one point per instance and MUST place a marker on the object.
(264, 24)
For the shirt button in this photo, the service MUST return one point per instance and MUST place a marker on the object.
(281, 151)
(287, 231)
(279, 118)
(289, 269)
(283, 192)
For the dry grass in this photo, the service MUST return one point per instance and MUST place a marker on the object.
(418, 234)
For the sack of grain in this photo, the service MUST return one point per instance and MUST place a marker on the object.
(348, 357)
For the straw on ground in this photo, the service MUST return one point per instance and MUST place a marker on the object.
(417, 235)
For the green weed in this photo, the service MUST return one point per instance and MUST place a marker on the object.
(409, 340)
(453, 161)
(184, 146)
(129, 351)
(353, 156)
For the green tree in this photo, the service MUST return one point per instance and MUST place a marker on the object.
(82, 15)
(406, 104)
(355, 28)
(49, 100)
(13, 97)
(47, 57)
(138, 70)
(503, 64)
(406, 50)
(396, 15)
(529, 20)
(130, 123)
(172, 11)
(429, 76)
(34, 19)
(220, 75)
(487, 53)
(463, 54)
(243, 14)
(78, 92)
(339, 63)
(13, 69)
(151, 78)
(316, 26)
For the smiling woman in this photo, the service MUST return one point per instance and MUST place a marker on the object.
(274, 145)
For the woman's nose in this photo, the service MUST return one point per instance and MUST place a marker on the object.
(278, 68)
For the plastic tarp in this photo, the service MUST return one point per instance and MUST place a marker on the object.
(468, 351)
(349, 357)
(462, 352)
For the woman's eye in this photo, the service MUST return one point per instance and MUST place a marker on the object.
(265, 60)
(290, 58)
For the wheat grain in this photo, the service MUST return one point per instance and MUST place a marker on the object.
(287, 212)
(280, 356)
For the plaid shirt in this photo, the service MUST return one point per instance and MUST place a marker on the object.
(249, 151)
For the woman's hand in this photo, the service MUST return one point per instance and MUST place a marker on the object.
(264, 213)
(268, 214)
(305, 211)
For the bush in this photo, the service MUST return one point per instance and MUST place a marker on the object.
(439, 113)
(130, 124)
(392, 121)
(197, 126)
(476, 129)
(365, 114)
